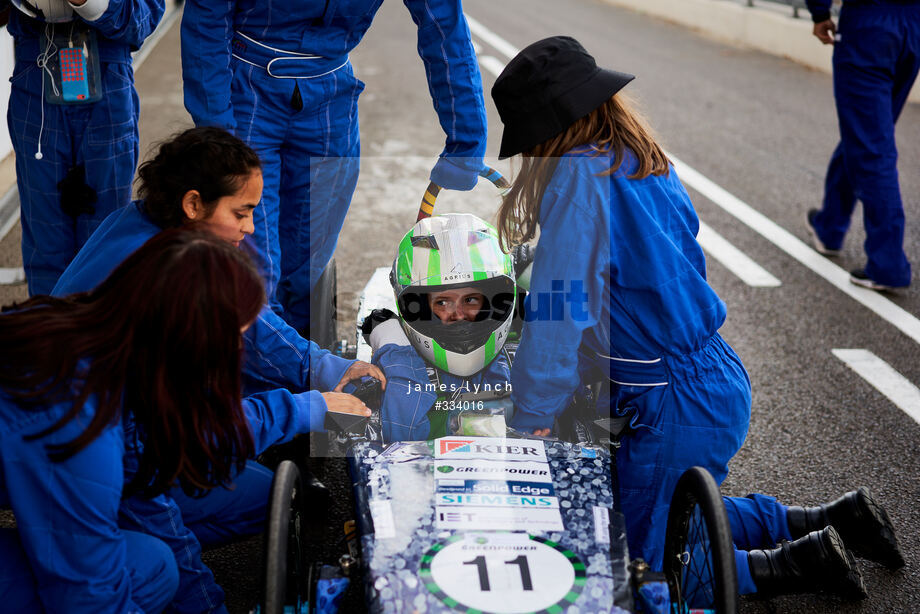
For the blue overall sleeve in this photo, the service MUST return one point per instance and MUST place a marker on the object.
(277, 416)
(125, 21)
(455, 85)
(278, 357)
(820, 10)
(207, 27)
(404, 412)
(570, 251)
(161, 517)
(67, 518)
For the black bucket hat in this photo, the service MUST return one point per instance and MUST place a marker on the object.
(546, 88)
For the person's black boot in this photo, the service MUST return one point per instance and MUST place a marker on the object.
(817, 562)
(861, 522)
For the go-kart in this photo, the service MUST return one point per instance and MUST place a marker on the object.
(491, 524)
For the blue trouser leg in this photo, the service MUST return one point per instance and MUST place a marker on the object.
(102, 136)
(833, 221)
(309, 160)
(757, 521)
(154, 576)
(318, 178)
(875, 64)
(691, 421)
(223, 514)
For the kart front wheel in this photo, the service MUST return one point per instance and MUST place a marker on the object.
(699, 561)
(285, 575)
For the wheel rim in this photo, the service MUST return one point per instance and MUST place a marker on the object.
(697, 577)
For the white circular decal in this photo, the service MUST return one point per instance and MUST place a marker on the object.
(502, 573)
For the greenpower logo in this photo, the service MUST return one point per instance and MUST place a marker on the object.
(445, 468)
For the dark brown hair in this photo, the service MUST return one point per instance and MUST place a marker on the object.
(208, 159)
(159, 338)
(613, 126)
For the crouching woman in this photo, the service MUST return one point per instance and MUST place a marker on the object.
(118, 393)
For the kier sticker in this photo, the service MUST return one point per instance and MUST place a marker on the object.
(490, 448)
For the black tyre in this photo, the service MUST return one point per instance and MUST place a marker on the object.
(285, 568)
(323, 308)
(699, 559)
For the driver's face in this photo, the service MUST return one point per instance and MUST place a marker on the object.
(457, 304)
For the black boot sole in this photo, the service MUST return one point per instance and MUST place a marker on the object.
(854, 587)
(874, 539)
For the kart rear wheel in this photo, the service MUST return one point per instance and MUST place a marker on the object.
(285, 569)
(699, 558)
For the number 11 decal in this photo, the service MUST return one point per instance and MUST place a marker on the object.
(483, 570)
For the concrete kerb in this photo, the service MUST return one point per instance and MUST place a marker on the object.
(748, 27)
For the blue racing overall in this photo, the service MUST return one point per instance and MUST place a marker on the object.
(101, 137)
(876, 60)
(79, 547)
(618, 291)
(278, 75)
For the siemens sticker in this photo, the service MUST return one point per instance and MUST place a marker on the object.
(490, 448)
(497, 501)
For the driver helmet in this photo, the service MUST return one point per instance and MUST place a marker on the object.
(449, 252)
(50, 11)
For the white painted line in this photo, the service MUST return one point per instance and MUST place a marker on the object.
(11, 276)
(492, 64)
(491, 38)
(9, 210)
(883, 378)
(734, 259)
(798, 249)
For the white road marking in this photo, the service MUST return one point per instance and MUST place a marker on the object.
(883, 378)
(11, 276)
(799, 250)
(734, 259)
(759, 223)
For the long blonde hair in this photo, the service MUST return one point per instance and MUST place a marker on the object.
(612, 126)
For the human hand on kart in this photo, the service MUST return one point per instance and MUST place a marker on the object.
(825, 31)
(542, 432)
(343, 403)
(457, 173)
(359, 369)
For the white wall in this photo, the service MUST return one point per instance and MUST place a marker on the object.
(6, 70)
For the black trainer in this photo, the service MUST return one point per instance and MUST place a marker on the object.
(817, 562)
(859, 277)
(861, 521)
(816, 241)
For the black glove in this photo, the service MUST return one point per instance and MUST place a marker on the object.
(376, 317)
(522, 256)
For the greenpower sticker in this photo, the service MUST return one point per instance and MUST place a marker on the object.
(503, 573)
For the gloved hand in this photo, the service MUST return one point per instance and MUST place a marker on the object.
(457, 173)
(381, 327)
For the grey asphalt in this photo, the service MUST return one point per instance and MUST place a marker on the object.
(761, 127)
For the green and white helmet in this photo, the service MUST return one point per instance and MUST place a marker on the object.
(450, 251)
